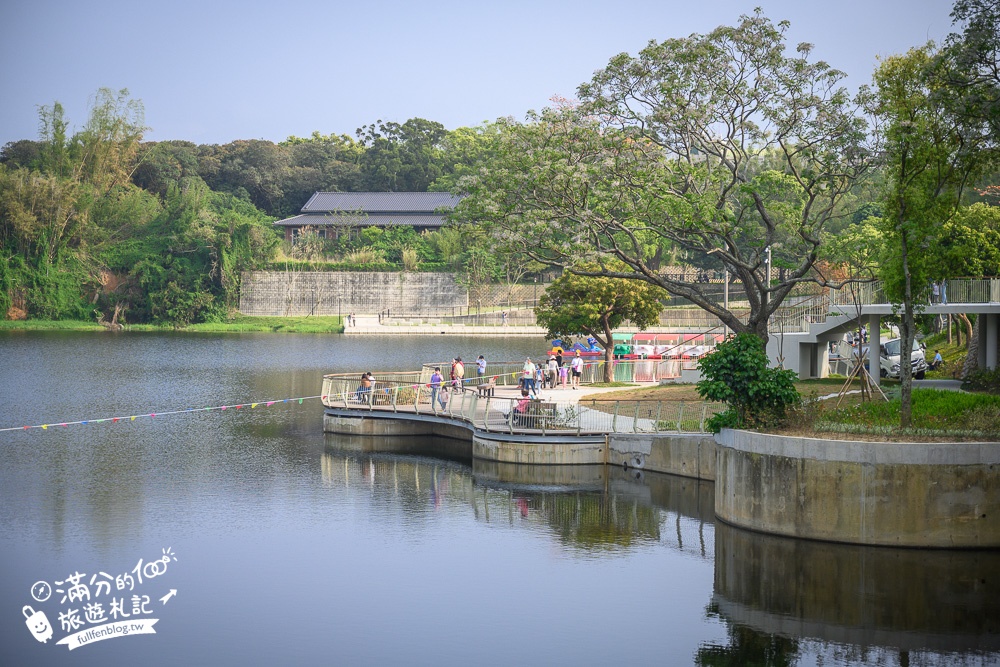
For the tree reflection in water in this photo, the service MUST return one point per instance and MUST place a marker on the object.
(782, 600)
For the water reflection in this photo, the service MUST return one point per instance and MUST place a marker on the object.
(855, 604)
(587, 508)
(782, 601)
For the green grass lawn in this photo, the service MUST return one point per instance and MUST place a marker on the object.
(49, 325)
(932, 410)
(953, 355)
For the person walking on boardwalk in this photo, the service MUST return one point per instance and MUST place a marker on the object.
(437, 381)
(458, 375)
(553, 372)
(529, 377)
(576, 366)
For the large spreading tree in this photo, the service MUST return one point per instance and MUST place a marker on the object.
(720, 145)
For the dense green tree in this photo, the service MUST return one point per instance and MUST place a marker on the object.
(721, 145)
(969, 243)
(185, 265)
(464, 150)
(320, 163)
(401, 158)
(933, 146)
(575, 305)
(252, 169)
(164, 164)
(25, 154)
(41, 230)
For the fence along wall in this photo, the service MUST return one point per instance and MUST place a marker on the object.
(297, 293)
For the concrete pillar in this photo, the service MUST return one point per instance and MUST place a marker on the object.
(992, 321)
(807, 359)
(822, 367)
(874, 345)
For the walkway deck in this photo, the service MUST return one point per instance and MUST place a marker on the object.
(566, 411)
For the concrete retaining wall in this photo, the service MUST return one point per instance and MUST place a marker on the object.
(300, 293)
(685, 454)
(540, 451)
(899, 494)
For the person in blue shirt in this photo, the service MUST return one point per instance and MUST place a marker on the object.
(937, 361)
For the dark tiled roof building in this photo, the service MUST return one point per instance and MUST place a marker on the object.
(333, 213)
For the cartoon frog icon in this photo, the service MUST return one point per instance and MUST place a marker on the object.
(38, 624)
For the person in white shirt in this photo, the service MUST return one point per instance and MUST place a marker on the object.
(577, 367)
(529, 376)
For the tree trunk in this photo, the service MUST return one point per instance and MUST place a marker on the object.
(906, 344)
(609, 351)
(968, 328)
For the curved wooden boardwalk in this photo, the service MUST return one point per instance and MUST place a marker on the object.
(490, 410)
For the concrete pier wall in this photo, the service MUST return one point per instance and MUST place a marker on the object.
(944, 495)
(897, 494)
(684, 454)
(688, 455)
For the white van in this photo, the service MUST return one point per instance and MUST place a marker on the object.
(889, 359)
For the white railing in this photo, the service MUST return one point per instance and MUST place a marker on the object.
(954, 290)
(497, 414)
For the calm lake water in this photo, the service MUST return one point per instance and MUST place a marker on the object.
(286, 546)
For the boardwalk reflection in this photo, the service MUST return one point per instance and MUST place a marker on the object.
(858, 604)
(781, 599)
(585, 507)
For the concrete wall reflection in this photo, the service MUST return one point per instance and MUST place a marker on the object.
(900, 599)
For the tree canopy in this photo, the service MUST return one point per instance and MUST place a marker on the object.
(720, 145)
(595, 306)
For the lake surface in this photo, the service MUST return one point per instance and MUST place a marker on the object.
(287, 546)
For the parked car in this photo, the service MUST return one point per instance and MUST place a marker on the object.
(889, 359)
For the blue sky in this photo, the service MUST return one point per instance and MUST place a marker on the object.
(214, 71)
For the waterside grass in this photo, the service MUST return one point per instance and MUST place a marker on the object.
(49, 325)
(235, 324)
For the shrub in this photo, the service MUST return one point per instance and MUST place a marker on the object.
(410, 259)
(737, 374)
(983, 380)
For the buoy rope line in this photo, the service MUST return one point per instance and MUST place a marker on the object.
(152, 415)
(239, 406)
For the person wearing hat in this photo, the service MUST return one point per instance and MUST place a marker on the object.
(553, 369)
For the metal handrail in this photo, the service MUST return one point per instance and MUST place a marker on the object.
(955, 290)
(493, 413)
